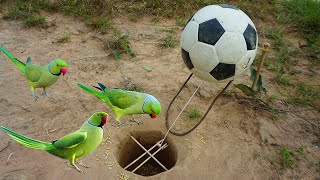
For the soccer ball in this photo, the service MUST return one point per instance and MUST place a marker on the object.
(219, 43)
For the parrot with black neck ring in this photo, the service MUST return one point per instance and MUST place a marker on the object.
(72, 146)
(39, 76)
(124, 102)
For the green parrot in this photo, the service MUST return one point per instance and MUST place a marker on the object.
(72, 146)
(39, 76)
(124, 102)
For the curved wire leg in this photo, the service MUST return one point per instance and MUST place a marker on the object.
(204, 116)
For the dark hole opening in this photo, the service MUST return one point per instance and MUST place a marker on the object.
(130, 150)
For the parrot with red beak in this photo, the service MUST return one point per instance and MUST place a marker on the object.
(124, 102)
(39, 76)
(71, 146)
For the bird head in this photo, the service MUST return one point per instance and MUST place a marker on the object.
(152, 106)
(57, 67)
(98, 119)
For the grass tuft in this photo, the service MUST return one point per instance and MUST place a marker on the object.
(120, 45)
(306, 95)
(282, 79)
(194, 113)
(101, 23)
(36, 21)
(64, 38)
(168, 42)
(305, 14)
(286, 158)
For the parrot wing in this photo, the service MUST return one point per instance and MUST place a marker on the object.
(33, 72)
(122, 99)
(70, 140)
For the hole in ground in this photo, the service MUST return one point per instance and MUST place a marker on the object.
(129, 150)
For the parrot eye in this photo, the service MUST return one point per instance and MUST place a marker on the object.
(58, 64)
(98, 115)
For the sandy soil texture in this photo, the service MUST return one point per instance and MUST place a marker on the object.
(235, 141)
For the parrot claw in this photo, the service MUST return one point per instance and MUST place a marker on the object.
(47, 94)
(83, 165)
(118, 124)
(35, 97)
(74, 166)
(78, 169)
(132, 120)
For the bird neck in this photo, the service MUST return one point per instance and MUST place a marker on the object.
(144, 103)
(57, 74)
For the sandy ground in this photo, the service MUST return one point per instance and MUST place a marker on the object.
(234, 142)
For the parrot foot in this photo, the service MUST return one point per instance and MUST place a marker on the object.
(35, 97)
(132, 120)
(78, 169)
(73, 166)
(119, 124)
(83, 165)
(47, 94)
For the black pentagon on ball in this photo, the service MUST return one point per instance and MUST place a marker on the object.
(223, 71)
(210, 31)
(228, 6)
(186, 59)
(250, 35)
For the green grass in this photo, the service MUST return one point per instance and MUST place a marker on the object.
(20, 9)
(277, 35)
(281, 61)
(64, 38)
(171, 30)
(194, 113)
(120, 44)
(286, 157)
(272, 97)
(306, 95)
(36, 21)
(305, 14)
(100, 23)
(274, 66)
(282, 79)
(299, 150)
(133, 17)
(168, 42)
(180, 21)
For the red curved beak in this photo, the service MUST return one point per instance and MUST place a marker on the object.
(153, 115)
(104, 119)
(63, 70)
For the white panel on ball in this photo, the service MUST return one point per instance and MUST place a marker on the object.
(230, 17)
(245, 62)
(247, 18)
(203, 75)
(189, 36)
(207, 13)
(228, 51)
(203, 56)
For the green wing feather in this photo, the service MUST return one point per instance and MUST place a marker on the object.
(21, 66)
(33, 72)
(115, 97)
(70, 140)
(122, 99)
(26, 141)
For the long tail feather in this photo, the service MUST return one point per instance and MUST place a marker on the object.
(99, 95)
(21, 66)
(26, 141)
